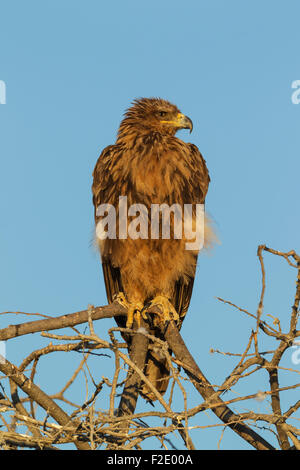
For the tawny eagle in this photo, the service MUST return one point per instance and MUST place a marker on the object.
(150, 165)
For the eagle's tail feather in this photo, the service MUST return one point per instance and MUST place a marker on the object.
(157, 371)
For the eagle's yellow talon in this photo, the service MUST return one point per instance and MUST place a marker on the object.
(133, 309)
(168, 311)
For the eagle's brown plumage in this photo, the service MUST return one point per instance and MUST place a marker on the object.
(149, 165)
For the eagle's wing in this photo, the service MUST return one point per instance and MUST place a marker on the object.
(197, 187)
(104, 191)
(182, 296)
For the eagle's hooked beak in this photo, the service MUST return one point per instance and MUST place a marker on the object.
(184, 122)
(180, 122)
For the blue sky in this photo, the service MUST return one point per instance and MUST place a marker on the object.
(71, 68)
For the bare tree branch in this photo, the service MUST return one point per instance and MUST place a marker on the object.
(89, 427)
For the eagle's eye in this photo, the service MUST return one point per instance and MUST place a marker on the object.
(162, 113)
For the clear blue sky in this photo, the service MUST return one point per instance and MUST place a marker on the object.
(71, 68)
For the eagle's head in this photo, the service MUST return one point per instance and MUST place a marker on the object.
(154, 114)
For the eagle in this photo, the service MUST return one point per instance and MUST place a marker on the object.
(150, 167)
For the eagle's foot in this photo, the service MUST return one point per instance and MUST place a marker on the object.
(168, 311)
(134, 309)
